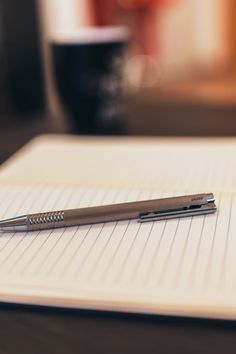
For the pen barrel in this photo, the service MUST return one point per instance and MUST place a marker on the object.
(130, 210)
(106, 213)
(83, 216)
(102, 214)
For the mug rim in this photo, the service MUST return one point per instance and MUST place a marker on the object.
(86, 35)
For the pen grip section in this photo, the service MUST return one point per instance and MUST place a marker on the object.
(42, 221)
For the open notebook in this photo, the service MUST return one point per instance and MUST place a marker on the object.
(176, 267)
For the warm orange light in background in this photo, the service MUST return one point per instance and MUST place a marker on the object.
(232, 29)
(134, 4)
(172, 41)
(102, 12)
(143, 67)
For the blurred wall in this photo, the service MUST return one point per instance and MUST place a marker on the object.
(193, 37)
(21, 64)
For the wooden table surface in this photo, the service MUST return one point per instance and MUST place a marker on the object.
(30, 330)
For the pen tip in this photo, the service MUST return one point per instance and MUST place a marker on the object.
(13, 224)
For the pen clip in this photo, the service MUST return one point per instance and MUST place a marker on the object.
(204, 206)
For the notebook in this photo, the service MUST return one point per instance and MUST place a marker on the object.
(184, 267)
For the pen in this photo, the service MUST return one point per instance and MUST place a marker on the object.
(147, 210)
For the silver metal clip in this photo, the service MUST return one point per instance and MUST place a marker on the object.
(187, 206)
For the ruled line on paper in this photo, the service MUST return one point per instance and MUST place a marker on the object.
(209, 261)
(192, 273)
(12, 234)
(8, 236)
(59, 256)
(125, 260)
(22, 236)
(31, 252)
(96, 262)
(139, 260)
(51, 254)
(99, 257)
(29, 238)
(86, 235)
(223, 266)
(180, 263)
(160, 279)
(7, 203)
(154, 257)
(115, 251)
(35, 235)
(93, 245)
(39, 235)
(80, 269)
(75, 237)
(105, 273)
(63, 272)
(153, 275)
(58, 238)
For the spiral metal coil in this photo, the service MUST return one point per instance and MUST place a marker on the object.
(45, 220)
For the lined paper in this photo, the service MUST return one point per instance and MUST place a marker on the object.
(192, 257)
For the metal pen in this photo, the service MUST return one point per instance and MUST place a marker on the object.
(147, 210)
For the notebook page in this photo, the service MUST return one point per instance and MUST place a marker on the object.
(182, 266)
(177, 164)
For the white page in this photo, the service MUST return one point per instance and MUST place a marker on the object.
(156, 163)
(178, 264)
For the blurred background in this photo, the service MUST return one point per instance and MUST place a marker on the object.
(178, 68)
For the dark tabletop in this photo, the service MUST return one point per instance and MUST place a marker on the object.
(38, 330)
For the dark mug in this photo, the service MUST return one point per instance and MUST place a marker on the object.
(87, 67)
